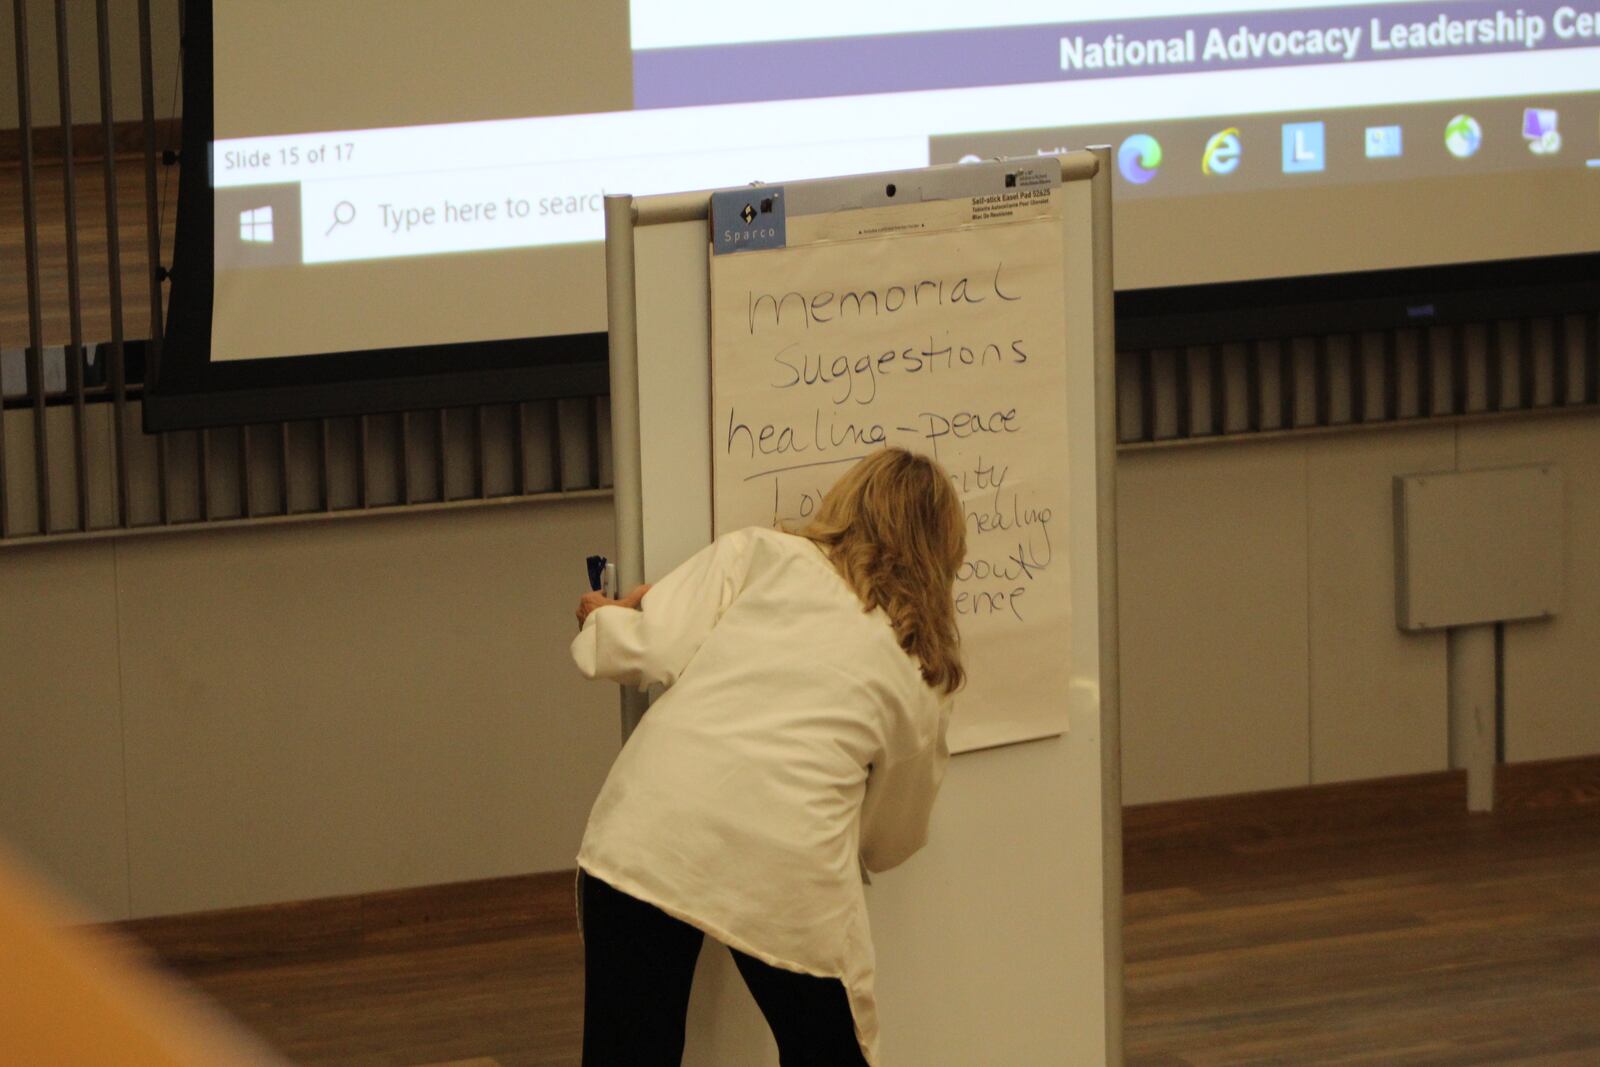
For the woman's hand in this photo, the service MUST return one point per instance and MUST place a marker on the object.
(589, 601)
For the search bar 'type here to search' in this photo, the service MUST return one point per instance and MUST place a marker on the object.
(381, 217)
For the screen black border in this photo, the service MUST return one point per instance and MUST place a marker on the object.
(1357, 302)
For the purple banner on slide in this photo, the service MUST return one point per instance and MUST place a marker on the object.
(1018, 55)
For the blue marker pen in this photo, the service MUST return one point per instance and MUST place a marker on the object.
(602, 576)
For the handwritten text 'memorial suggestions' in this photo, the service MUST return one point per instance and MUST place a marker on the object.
(941, 327)
(937, 362)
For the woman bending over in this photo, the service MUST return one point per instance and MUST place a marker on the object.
(800, 740)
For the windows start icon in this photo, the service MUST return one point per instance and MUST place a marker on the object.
(255, 226)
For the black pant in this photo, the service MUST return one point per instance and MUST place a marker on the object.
(639, 963)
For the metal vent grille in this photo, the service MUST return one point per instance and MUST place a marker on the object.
(1472, 370)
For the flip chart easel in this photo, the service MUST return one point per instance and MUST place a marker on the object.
(1001, 941)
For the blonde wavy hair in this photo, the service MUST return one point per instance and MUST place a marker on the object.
(894, 528)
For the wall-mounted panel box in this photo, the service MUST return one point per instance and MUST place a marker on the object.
(1476, 547)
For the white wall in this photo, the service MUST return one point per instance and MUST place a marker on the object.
(1259, 641)
(1552, 672)
(218, 718)
(223, 717)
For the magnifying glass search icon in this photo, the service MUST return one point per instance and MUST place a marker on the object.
(344, 213)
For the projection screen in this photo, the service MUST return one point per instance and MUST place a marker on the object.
(403, 172)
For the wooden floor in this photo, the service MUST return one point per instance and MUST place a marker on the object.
(1375, 924)
(1368, 924)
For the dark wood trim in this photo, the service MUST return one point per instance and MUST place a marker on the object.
(1389, 821)
(1529, 788)
(397, 919)
(88, 141)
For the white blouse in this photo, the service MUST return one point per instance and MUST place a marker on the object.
(796, 743)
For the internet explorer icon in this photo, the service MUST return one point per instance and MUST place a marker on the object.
(1139, 158)
(1221, 155)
